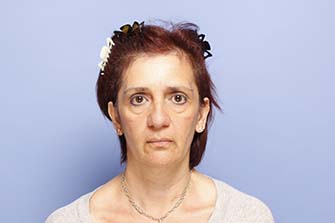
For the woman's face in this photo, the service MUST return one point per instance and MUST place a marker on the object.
(158, 109)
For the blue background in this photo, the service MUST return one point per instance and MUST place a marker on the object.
(273, 66)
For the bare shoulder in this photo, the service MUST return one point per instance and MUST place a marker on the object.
(105, 195)
(102, 206)
(204, 189)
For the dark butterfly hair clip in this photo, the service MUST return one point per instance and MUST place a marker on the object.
(130, 29)
(205, 46)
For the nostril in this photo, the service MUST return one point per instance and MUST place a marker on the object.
(158, 118)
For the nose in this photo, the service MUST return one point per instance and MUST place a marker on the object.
(158, 117)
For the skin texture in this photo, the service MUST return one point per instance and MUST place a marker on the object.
(158, 110)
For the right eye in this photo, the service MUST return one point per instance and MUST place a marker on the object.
(137, 100)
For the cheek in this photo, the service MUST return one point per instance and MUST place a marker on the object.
(186, 121)
(135, 124)
(132, 124)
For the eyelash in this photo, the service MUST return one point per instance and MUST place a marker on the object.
(184, 98)
(134, 97)
(137, 96)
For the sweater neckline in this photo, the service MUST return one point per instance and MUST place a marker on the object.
(85, 216)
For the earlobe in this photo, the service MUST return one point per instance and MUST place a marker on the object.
(203, 114)
(113, 114)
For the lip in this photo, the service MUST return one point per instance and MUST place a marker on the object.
(160, 142)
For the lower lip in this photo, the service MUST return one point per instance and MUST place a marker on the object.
(160, 143)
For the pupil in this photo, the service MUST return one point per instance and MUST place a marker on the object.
(139, 99)
(178, 98)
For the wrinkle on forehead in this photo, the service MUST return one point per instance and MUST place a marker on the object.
(134, 58)
(169, 88)
(170, 72)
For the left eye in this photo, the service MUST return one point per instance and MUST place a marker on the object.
(179, 99)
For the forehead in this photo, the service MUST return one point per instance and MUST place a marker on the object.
(163, 69)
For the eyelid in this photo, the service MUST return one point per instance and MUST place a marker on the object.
(180, 93)
(186, 98)
(133, 96)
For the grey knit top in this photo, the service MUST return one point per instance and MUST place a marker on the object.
(232, 206)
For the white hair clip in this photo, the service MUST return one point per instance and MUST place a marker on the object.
(104, 54)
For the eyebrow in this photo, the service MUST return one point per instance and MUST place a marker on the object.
(170, 89)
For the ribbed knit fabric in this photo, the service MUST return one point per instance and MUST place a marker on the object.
(232, 206)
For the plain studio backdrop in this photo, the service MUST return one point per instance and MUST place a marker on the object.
(273, 67)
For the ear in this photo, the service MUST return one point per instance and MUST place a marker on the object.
(203, 113)
(114, 115)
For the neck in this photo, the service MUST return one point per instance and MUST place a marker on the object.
(156, 189)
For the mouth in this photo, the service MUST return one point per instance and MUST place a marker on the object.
(163, 142)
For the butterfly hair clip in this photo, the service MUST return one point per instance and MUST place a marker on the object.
(205, 46)
(130, 29)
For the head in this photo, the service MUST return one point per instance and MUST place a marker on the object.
(155, 70)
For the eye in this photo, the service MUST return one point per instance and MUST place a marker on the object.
(179, 99)
(137, 100)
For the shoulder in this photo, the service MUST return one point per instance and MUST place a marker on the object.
(238, 206)
(73, 212)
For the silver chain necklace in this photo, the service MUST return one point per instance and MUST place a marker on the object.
(141, 211)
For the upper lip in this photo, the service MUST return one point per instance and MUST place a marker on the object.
(159, 140)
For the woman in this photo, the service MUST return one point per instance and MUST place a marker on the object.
(154, 86)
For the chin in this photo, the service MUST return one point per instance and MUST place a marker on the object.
(161, 158)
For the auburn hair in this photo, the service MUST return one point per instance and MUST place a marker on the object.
(154, 39)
